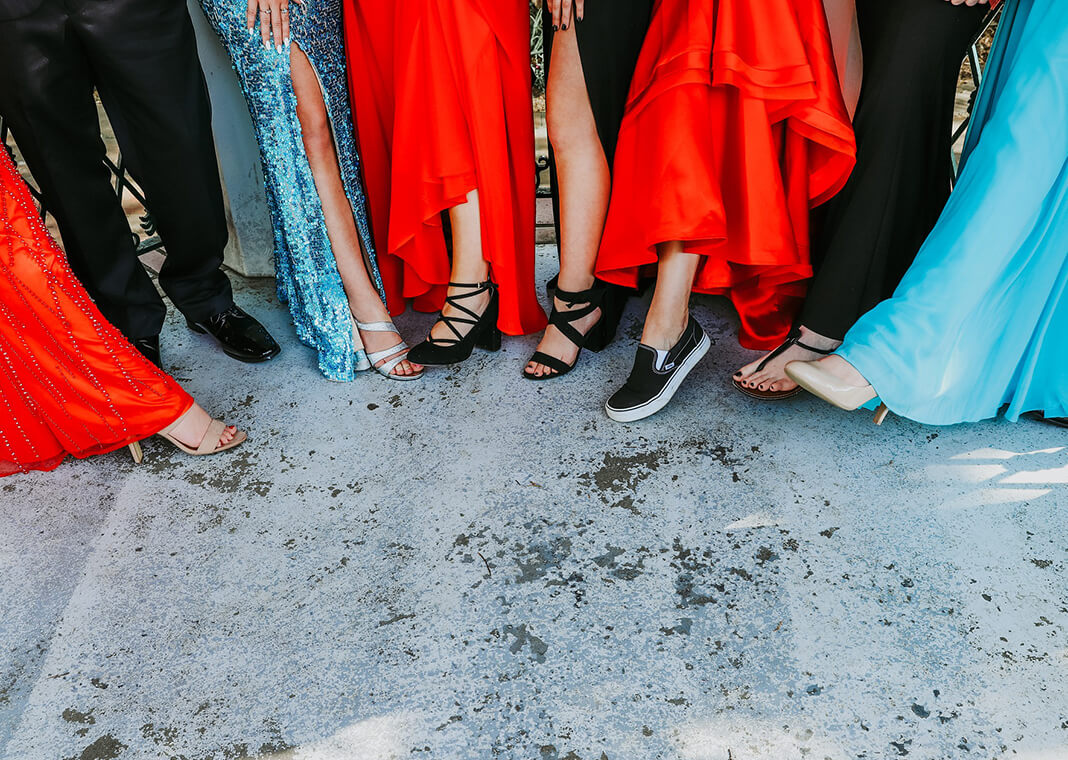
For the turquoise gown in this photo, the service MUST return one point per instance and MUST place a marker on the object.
(980, 322)
(307, 275)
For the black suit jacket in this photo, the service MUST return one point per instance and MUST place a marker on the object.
(11, 9)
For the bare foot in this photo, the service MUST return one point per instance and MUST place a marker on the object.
(773, 376)
(555, 343)
(193, 426)
(380, 341)
(476, 304)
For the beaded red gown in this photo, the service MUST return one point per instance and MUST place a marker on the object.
(70, 383)
(441, 92)
(735, 127)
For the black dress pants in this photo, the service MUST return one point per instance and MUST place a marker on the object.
(867, 236)
(141, 56)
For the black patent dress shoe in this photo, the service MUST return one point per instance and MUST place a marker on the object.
(240, 336)
(149, 348)
(657, 375)
(1056, 421)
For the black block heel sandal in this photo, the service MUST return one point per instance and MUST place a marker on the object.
(609, 299)
(483, 332)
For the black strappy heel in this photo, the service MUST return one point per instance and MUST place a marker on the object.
(793, 340)
(483, 331)
(609, 299)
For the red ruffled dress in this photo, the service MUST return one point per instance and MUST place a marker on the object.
(70, 383)
(441, 91)
(730, 157)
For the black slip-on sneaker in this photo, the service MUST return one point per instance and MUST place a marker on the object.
(655, 378)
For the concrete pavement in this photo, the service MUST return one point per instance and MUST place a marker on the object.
(474, 566)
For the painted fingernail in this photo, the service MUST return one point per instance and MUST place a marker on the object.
(556, 28)
(279, 48)
(285, 42)
(564, 27)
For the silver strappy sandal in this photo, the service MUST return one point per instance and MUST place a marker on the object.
(386, 368)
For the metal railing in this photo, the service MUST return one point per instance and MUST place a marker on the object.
(146, 240)
(976, 66)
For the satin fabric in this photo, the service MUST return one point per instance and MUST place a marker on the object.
(980, 321)
(729, 158)
(446, 107)
(69, 382)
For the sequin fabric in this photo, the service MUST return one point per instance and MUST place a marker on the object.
(307, 274)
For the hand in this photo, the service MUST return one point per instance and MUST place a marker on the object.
(273, 16)
(564, 11)
(969, 3)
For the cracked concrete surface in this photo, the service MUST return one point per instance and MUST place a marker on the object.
(475, 566)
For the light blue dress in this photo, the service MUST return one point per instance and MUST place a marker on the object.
(980, 322)
(307, 274)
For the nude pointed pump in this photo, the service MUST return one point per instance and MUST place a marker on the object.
(822, 384)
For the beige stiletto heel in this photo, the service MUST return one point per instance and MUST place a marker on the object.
(880, 414)
(136, 452)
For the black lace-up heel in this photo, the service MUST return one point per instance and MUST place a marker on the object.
(482, 331)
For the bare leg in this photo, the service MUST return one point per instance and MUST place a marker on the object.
(467, 263)
(364, 301)
(773, 376)
(585, 186)
(670, 309)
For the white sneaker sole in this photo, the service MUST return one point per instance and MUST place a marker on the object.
(662, 399)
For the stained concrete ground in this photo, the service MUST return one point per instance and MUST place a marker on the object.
(474, 566)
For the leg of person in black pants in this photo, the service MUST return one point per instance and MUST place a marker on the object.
(142, 54)
(865, 238)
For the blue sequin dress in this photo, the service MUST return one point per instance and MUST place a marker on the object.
(308, 278)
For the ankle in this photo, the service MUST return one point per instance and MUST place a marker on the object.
(814, 339)
(369, 313)
(662, 335)
(575, 282)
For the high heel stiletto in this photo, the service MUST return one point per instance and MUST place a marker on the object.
(399, 352)
(483, 332)
(822, 384)
(609, 299)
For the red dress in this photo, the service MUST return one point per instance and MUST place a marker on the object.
(729, 157)
(69, 382)
(442, 95)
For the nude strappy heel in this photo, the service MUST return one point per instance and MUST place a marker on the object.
(399, 352)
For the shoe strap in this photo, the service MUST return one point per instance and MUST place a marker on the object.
(592, 298)
(377, 327)
(593, 295)
(553, 363)
(385, 353)
(793, 340)
(210, 442)
(472, 318)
